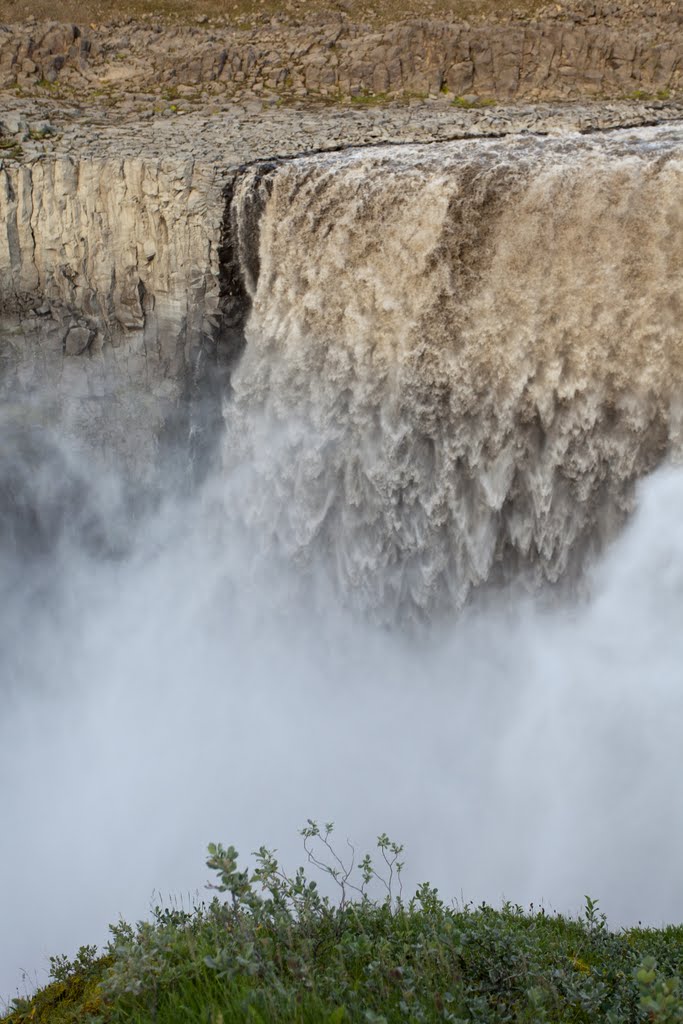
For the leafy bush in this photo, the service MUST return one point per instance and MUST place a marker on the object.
(272, 947)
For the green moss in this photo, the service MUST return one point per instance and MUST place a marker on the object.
(10, 150)
(369, 98)
(473, 104)
(78, 998)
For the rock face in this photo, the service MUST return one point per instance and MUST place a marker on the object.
(585, 50)
(108, 285)
(126, 242)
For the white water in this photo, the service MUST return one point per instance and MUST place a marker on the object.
(201, 687)
(459, 358)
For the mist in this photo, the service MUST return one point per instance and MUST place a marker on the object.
(167, 681)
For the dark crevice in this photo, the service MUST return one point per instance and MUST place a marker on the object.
(219, 352)
(239, 260)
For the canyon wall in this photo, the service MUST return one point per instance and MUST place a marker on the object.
(109, 289)
(566, 52)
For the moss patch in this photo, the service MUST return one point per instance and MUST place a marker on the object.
(10, 150)
(77, 998)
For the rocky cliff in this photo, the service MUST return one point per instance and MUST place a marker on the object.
(109, 287)
(566, 51)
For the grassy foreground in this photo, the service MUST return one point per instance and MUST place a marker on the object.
(271, 948)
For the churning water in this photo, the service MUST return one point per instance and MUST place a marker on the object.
(459, 357)
(459, 363)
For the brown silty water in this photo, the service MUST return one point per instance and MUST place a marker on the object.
(459, 358)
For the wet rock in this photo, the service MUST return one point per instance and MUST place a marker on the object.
(77, 341)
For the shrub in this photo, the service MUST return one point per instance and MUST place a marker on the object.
(273, 947)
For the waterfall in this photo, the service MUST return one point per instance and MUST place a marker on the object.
(459, 358)
(437, 375)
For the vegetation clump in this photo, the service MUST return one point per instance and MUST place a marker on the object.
(271, 947)
(473, 102)
(10, 150)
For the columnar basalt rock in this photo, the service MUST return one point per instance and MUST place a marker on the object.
(108, 287)
(564, 53)
(126, 242)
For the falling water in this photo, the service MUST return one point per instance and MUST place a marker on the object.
(459, 358)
